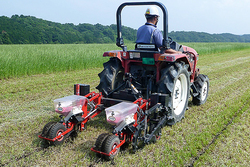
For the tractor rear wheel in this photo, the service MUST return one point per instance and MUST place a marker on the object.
(111, 77)
(202, 84)
(175, 81)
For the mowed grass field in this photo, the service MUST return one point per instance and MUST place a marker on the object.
(214, 134)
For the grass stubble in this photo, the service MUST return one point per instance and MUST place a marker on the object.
(27, 105)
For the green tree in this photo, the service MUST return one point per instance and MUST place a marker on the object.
(28, 29)
(1, 42)
(5, 38)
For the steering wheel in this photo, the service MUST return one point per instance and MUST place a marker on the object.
(170, 40)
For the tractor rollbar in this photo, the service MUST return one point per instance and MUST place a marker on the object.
(119, 40)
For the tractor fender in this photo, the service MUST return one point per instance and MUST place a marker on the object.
(188, 56)
(191, 58)
(115, 53)
(187, 49)
(172, 57)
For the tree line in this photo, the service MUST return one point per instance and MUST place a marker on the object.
(31, 30)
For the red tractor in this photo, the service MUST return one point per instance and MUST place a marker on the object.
(141, 91)
(158, 82)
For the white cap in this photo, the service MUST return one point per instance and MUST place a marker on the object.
(152, 11)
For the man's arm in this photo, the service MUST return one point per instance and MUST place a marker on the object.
(158, 38)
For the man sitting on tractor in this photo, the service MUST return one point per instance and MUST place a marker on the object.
(149, 34)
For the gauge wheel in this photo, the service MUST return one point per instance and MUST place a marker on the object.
(47, 128)
(56, 130)
(100, 142)
(109, 144)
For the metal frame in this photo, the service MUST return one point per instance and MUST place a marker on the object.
(87, 115)
(119, 40)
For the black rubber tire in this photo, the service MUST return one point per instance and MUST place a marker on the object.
(100, 142)
(111, 76)
(174, 78)
(55, 130)
(109, 144)
(46, 129)
(202, 85)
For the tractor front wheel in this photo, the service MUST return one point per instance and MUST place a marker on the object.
(202, 84)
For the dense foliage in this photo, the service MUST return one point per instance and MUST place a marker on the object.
(206, 37)
(31, 30)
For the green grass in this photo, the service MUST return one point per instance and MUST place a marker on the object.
(21, 60)
(213, 48)
(213, 134)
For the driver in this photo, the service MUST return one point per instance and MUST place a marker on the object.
(149, 33)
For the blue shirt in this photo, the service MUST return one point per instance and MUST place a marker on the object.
(144, 34)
